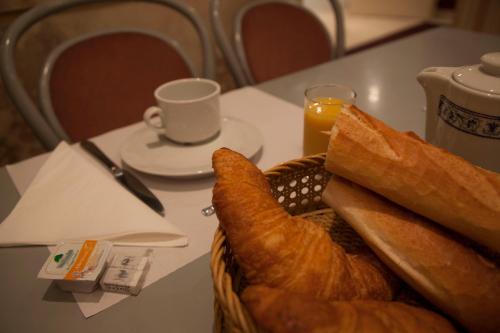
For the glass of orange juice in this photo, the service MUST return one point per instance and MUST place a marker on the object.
(322, 104)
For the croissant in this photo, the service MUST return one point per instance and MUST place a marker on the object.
(281, 251)
(280, 311)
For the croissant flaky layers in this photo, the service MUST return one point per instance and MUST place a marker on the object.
(281, 311)
(300, 280)
(281, 251)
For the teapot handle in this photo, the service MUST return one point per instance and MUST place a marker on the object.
(435, 81)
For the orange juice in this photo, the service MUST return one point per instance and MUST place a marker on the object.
(319, 116)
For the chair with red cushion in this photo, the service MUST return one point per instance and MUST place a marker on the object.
(276, 37)
(101, 81)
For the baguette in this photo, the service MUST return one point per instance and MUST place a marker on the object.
(449, 274)
(430, 181)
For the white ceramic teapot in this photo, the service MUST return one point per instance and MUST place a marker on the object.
(463, 110)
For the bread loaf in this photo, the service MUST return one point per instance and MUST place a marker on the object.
(428, 257)
(425, 179)
(278, 311)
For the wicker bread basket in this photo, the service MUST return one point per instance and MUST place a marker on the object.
(297, 185)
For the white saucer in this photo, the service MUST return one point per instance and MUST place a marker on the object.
(151, 153)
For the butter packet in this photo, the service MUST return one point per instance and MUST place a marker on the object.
(126, 273)
(77, 266)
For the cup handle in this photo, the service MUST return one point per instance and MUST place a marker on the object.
(149, 114)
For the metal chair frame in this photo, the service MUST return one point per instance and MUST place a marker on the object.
(235, 56)
(45, 124)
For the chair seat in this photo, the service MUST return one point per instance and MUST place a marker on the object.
(279, 38)
(97, 86)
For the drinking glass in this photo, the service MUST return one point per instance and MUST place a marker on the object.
(322, 104)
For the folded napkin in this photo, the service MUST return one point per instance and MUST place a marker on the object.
(71, 199)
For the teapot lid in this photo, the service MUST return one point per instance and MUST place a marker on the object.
(484, 77)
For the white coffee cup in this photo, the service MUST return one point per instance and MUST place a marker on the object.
(188, 109)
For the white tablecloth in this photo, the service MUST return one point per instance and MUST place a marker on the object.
(281, 125)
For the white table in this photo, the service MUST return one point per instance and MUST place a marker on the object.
(383, 77)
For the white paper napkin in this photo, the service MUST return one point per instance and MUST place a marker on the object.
(71, 199)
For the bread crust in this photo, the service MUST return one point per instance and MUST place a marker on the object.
(430, 181)
(428, 257)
